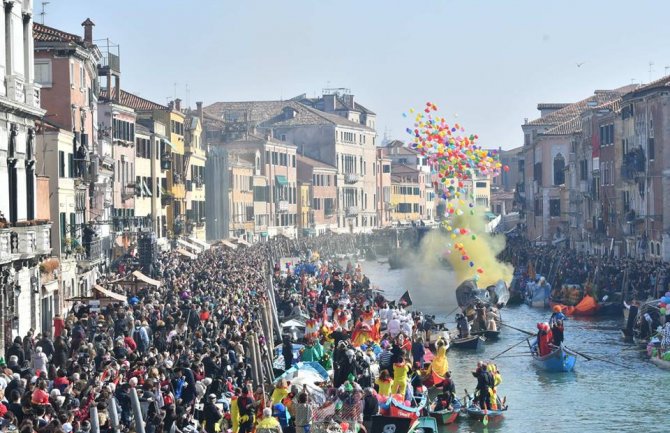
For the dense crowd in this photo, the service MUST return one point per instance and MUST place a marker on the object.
(614, 277)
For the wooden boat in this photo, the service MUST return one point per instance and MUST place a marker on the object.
(425, 424)
(661, 363)
(489, 335)
(447, 416)
(473, 342)
(476, 413)
(560, 360)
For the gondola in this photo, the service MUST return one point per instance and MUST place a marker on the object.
(561, 360)
(473, 342)
(447, 416)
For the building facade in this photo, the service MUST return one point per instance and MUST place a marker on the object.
(319, 179)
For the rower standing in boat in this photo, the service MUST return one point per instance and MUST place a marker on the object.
(446, 397)
(484, 382)
(556, 326)
(463, 326)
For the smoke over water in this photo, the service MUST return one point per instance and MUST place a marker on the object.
(432, 284)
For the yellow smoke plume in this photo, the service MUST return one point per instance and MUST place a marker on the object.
(480, 247)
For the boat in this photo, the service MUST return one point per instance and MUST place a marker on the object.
(489, 335)
(560, 360)
(398, 407)
(473, 342)
(476, 413)
(425, 424)
(660, 363)
(438, 331)
(447, 416)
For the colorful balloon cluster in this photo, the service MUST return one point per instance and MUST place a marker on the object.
(664, 303)
(455, 159)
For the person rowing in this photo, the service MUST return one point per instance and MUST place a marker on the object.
(556, 326)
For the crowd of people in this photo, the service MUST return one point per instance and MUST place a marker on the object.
(608, 277)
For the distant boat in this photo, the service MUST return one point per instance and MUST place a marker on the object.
(561, 360)
(474, 342)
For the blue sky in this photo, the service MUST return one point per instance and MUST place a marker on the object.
(487, 62)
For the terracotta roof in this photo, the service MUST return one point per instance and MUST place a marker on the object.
(661, 83)
(133, 101)
(395, 143)
(314, 163)
(273, 113)
(44, 33)
(575, 124)
(567, 113)
(551, 105)
(341, 103)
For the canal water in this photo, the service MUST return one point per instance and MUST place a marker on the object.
(597, 397)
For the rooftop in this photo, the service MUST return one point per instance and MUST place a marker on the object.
(133, 101)
(569, 112)
(42, 33)
(314, 163)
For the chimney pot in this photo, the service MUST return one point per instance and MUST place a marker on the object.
(88, 30)
(177, 104)
(198, 106)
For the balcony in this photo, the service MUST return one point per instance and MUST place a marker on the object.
(352, 211)
(43, 239)
(633, 164)
(23, 240)
(16, 89)
(5, 245)
(282, 206)
(351, 178)
(128, 192)
(93, 250)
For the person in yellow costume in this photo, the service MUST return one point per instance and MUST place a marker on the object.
(440, 364)
(234, 414)
(497, 380)
(280, 391)
(400, 372)
(385, 383)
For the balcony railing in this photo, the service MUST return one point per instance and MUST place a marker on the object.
(351, 178)
(352, 211)
(282, 206)
(93, 250)
(16, 89)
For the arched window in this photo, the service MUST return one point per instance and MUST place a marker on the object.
(559, 170)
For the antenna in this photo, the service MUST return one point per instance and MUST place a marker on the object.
(188, 94)
(666, 70)
(651, 68)
(44, 12)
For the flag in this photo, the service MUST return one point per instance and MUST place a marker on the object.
(405, 299)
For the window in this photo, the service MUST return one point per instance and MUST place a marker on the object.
(583, 169)
(559, 170)
(70, 165)
(43, 72)
(537, 173)
(386, 168)
(555, 207)
(61, 164)
(538, 206)
(71, 74)
(480, 184)
(650, 148)
(82, 78)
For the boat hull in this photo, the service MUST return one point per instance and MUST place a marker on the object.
(447, 416)
(560, 360)
(475, 413)
(475, 342)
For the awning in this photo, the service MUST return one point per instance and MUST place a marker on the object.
(185, 253)
(166, 140)
(241, 241)
(110, 294)
(281, 180)
(146, 189)
(193, 247)
(140, 276)
(230, 245)
(204, 245)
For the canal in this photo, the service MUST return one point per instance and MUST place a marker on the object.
(597, 397)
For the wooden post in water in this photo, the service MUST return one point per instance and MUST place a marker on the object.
(255, 375)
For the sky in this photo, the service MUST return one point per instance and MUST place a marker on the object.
(485, 64)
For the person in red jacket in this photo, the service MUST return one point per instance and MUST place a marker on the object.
(59, 325)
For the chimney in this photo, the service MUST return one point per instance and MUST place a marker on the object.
(88, 31)
(177, 104)
(198, 106)
(171, 105)
(328, 103)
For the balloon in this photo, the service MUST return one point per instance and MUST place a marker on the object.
(663, 311)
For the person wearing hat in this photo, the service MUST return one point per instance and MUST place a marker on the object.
(211, 415)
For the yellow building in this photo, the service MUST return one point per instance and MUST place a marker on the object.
(172, 151)
(408, 193)
(195, 157)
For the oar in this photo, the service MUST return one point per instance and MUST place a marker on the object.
(518, 329)
(452, 311)
(591, 358)
(510, 348)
